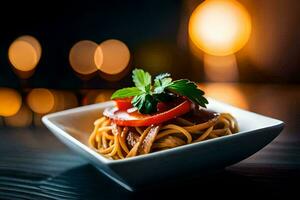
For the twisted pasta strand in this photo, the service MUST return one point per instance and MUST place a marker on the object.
(110, 140)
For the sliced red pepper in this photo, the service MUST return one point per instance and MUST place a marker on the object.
(123, 118)
(123, 104)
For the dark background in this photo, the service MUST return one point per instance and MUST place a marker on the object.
(270, 56)
(35, 165)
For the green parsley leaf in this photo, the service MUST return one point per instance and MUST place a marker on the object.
(146, 96)
(161, 81)
(163, 84)
(150, 105)
(148, 89)
(141, 79)
(162, 76)
(185, 87)
(138, 101)
(145, 103)
(126, 92)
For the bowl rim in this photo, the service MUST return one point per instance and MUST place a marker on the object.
(52, 125)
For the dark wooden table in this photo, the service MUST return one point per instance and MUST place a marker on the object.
(35, 165)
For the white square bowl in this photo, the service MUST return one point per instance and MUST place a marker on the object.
(74, 126)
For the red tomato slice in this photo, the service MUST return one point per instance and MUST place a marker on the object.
(123, 104)
(161, 107)
(123, 118)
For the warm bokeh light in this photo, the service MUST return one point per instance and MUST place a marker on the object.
(22, 118)
(228, 93)
(10, 102)
(95, 96)
(104, 95)
(70, 100)
(64, 100)
(116, 56)
(220, 27)
(82, 57)
(221, 68)
(24, 53)
(89, 96)
(195, 51)
(41, 100)
(98, 57)
(115, 77)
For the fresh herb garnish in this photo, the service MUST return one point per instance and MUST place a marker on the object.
(185, 87)
(141, 79)
(146, 96)
(127, 92)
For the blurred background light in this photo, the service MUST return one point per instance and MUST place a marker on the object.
(227, 93)
(221, 68)
(24, 54)
(116, 56)
(89, 96)
(95, 96)
(64, 100)
(70, 99)
(103, 95)
(220, 27)
(82, 57)
(10, 102)
(115, 77)
(41, 100)
(98, 57)
(272, 52)
(22, 118)
(273, 49)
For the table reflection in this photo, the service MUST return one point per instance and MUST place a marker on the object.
(34, 163)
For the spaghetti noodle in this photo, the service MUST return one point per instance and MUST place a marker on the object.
(119, 142)
(157, 115)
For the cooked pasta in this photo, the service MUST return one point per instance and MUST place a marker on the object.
(119, 142)
(157, 115)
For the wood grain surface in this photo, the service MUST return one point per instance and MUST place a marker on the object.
(35, 165)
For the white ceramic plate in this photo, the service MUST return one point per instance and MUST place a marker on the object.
(74, 126)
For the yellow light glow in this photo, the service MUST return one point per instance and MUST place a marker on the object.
(89, 96)
(22, 118)
(115, 77)
(64, 100)
(116, 56)
(10, 102)
(70, 100)
(23, 74)
(98, 57)
(24, 53)
(228, 93)
(41, 100)
(103, 96)
(220, 27)
(221, 68)
(81, 57)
